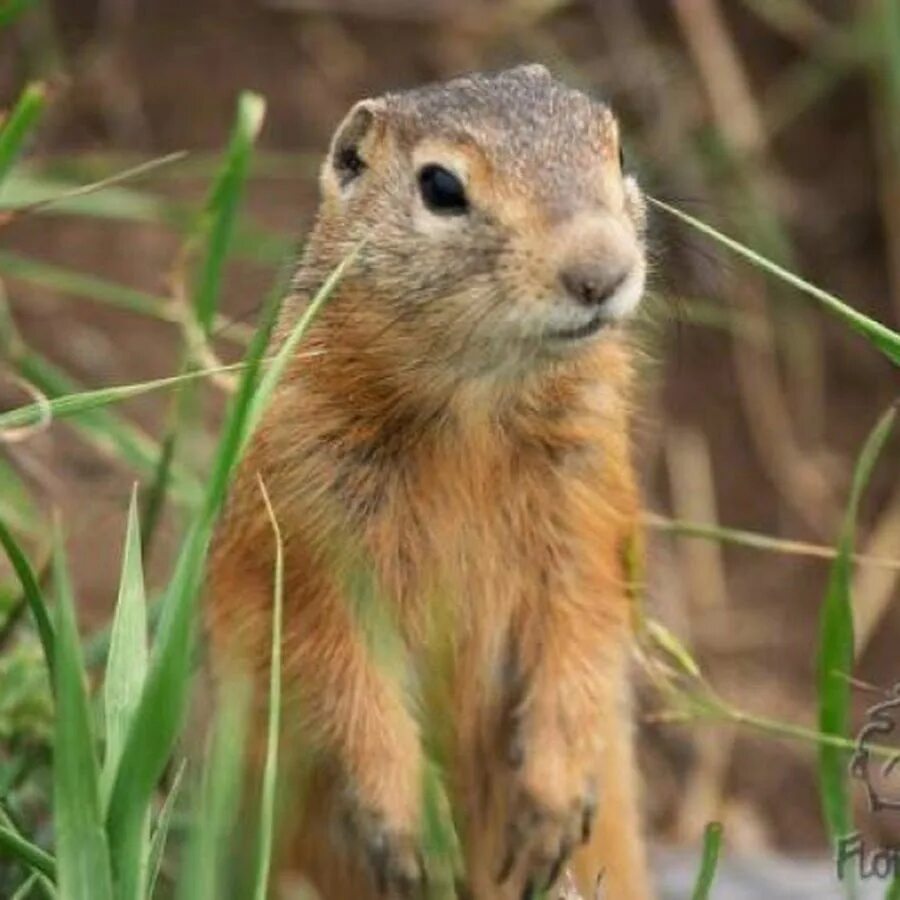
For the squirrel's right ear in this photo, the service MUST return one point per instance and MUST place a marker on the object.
(354, 142)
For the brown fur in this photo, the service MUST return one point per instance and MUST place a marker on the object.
(437, 438)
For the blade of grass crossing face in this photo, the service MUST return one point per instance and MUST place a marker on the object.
(712, 842)
(126, 667)
(288, 349)
(270, 770)
(161, 830)
(18, 125)
(81, 850)
(221, 212)
(163, 700)
(835, 656)
(886, 340)
(33, 595)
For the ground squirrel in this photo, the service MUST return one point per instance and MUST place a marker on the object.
(458, 425)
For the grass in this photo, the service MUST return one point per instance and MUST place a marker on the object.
(121, 793)
(712, 843)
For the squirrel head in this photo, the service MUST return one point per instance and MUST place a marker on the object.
(500, 225)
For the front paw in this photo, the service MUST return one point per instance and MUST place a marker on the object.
(388, 840)
(551, 803)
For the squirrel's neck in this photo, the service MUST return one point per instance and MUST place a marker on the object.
(351, 422)
(361, 385)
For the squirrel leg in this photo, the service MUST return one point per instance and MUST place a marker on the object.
(613, 859)
(357, 711)
(360, 804)
(562, 790)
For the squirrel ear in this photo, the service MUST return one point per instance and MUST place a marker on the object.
(535, 70)
(347, 159)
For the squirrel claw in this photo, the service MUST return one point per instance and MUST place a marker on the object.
(395, 861)
(541, 838)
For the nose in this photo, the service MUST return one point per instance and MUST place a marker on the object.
(591, 284)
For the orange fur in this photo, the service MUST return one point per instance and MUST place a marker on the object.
(492, 514)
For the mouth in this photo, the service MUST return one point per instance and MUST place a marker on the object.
(579, 332)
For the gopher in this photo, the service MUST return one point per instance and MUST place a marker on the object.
(449, 463)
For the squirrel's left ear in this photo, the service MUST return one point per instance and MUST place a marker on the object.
(353, 142)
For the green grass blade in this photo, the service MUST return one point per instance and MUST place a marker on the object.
(221, 211)
(164, 699)
(15, 846)
(106, 431)
(82, 854)
(213, 831)
(893, 889)
(161, 830)
(85, 286)
(16, 128)
(270, 770)
(27, 888)
(24, 190)
(83, 190)
(886, 340)
(17, 508)
(216, 231)
(127, 664)
(835, 656)
(712, 842)
(154, 495)
(78, 403)
(288, 349)
(755, 540)
(55, 197)
(65, 404)
(12, 9)
(36, 881)
(33, 595)
(440, 842)
(672, 646)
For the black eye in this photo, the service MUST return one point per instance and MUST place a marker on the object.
(621, 159)
(442, 191)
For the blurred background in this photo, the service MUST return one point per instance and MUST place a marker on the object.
(776, 120)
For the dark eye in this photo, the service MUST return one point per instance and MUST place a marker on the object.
(442, 191)
(621, 159)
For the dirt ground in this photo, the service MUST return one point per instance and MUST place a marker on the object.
(713, 430)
